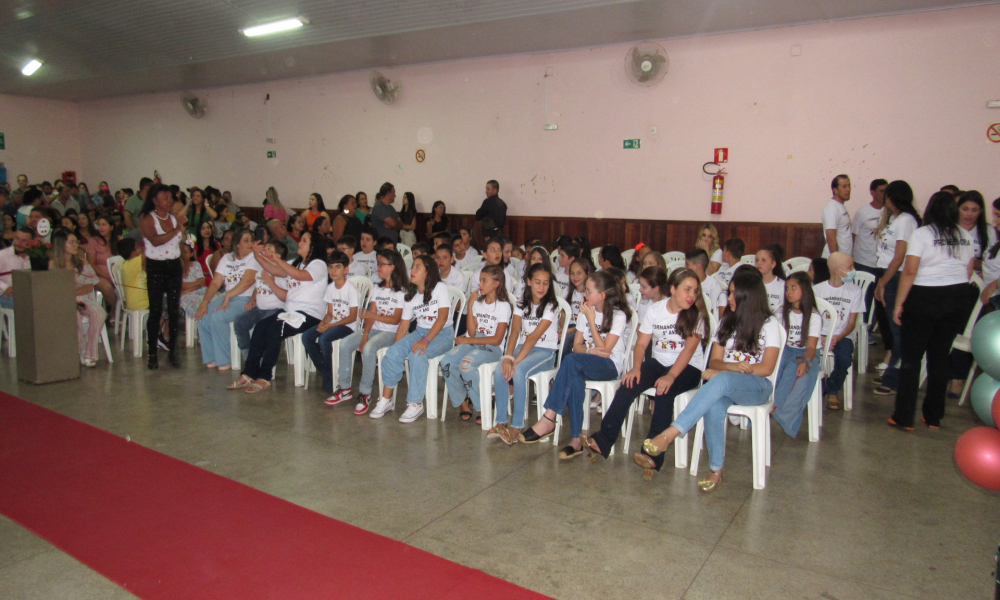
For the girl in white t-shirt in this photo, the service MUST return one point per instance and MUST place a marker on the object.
(236, 273)
(932, 306)
(768, 262)
(379, 323)
(602, 331)
(304, 307)
(744, 354)
(531, 349)
(489, 316)
(574, 294)
(674, 326)
(427, 303)
(268, 298)
(341, 319)
(535, 256)
(800, 362)
(493, 255)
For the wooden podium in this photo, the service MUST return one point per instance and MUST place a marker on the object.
(45, 316)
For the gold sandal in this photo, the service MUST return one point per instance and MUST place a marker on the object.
(707, 485)
(496, 431)
(651, 448)
(253, 388)
(240, 383)
(647, 464)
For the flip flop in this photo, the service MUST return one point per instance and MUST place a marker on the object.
(465, 415)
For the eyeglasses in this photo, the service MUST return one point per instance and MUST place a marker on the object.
(382, 264)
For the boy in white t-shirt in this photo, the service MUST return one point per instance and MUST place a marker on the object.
(341, 320)
(450, 274)
(713, 291)
(846, 299)
(732, 252)
(355, 268)
(367, 255)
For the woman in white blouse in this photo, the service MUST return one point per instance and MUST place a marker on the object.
(931, 307)
(236, 273)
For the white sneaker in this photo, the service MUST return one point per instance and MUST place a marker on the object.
(412, 412)
(384, 405)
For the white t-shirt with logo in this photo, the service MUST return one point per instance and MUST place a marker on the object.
(937, 265)
(307, 296)
(619, 327)
(863, 226)
(835, 217)
(386, 302)
(667, 344)
(574, 306)
(775, 295)
(470, 258)
(232, 270)
(357, 269)
(899, 228)
(725, 274)
(370, 262)
(341, 301)
(457, 278)
(549, 339)
(795, 328)
(769, 337)
(562, 276)
(266, 299)
(846, 300)
(426, 313)
(712, 289)
(490, 316)
(473, 283)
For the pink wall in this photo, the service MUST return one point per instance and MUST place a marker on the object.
(895, 97)
(43, 137)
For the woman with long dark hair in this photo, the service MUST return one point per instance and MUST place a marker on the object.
(163, 232)
(101, 245)
(931, 308)
(198, 211)
(408, 215)
(438, 221)
(363, 212)
(799, 366)
(316, 210)
(345, 222)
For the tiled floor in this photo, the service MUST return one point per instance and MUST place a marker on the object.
(867, 513)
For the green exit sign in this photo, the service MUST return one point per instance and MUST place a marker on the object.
(630, 144)
(272, 154)
(3, 141)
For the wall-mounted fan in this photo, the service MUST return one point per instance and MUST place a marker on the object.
(646, 64)
(195, 106)
(384, 90)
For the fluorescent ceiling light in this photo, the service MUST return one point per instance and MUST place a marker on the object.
(31, 67)
(274, 27)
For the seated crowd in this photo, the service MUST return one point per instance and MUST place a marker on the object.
(734, 331)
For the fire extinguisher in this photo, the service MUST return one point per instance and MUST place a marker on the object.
(718, 183)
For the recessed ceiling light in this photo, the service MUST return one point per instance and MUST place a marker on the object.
(274, 27)
(31, 67)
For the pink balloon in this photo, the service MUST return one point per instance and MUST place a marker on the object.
(996, 410)
(977, 453)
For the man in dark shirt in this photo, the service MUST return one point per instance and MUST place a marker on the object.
(493, 213)
(384, 217)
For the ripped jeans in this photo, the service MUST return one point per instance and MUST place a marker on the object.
(460, 367)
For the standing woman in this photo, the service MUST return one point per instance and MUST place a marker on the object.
(745, 353)
(345, 222)
(198, 211)
(438, 221)
(675, 326)
(273, 209)
(163, 232)
(931, 307)
(65, 255)
(971, 218)
(408, 216)
(900, 220)
(598, 354)
(101, 247)
(304, 307)
(236, 273)
(363, 211)
(708, 240)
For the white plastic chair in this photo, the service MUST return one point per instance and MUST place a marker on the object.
(674, 265)
(235, 356)
(864, 281)
(749, 259)
(487, 371)
(433, 364)
(826, 362)
(672, 256)
(364, 286)
(595, 256)
(7, 330)
(680, 403)
(627, 256)
(797, 263)
(814, 408)
(190, 331)
(135, 320)
(963, 341)
(119, 261)
(760, 427)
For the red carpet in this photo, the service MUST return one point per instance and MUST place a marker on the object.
(162, 528)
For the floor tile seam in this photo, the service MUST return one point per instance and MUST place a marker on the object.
(410, 535)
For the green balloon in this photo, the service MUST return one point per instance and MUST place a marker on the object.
(986, 344)
(983, 391)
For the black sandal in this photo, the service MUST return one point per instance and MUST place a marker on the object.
(528, 436)
(465, 415)
(568, 452)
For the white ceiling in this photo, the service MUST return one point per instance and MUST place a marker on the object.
(104, 48)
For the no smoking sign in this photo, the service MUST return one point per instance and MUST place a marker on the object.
(993, 133)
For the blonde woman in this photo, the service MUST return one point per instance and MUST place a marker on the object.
(273, 208)
(708, 240)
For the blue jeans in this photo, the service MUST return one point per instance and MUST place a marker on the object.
(713, 400)
(213, 330)
(792, 393)
(460, 367)
(890, 378)
(376, 341)
(843, 357)
(319, 347)
(538, 360)
(245, 322)
(393, 368)
(7, 301)
(569, 387)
